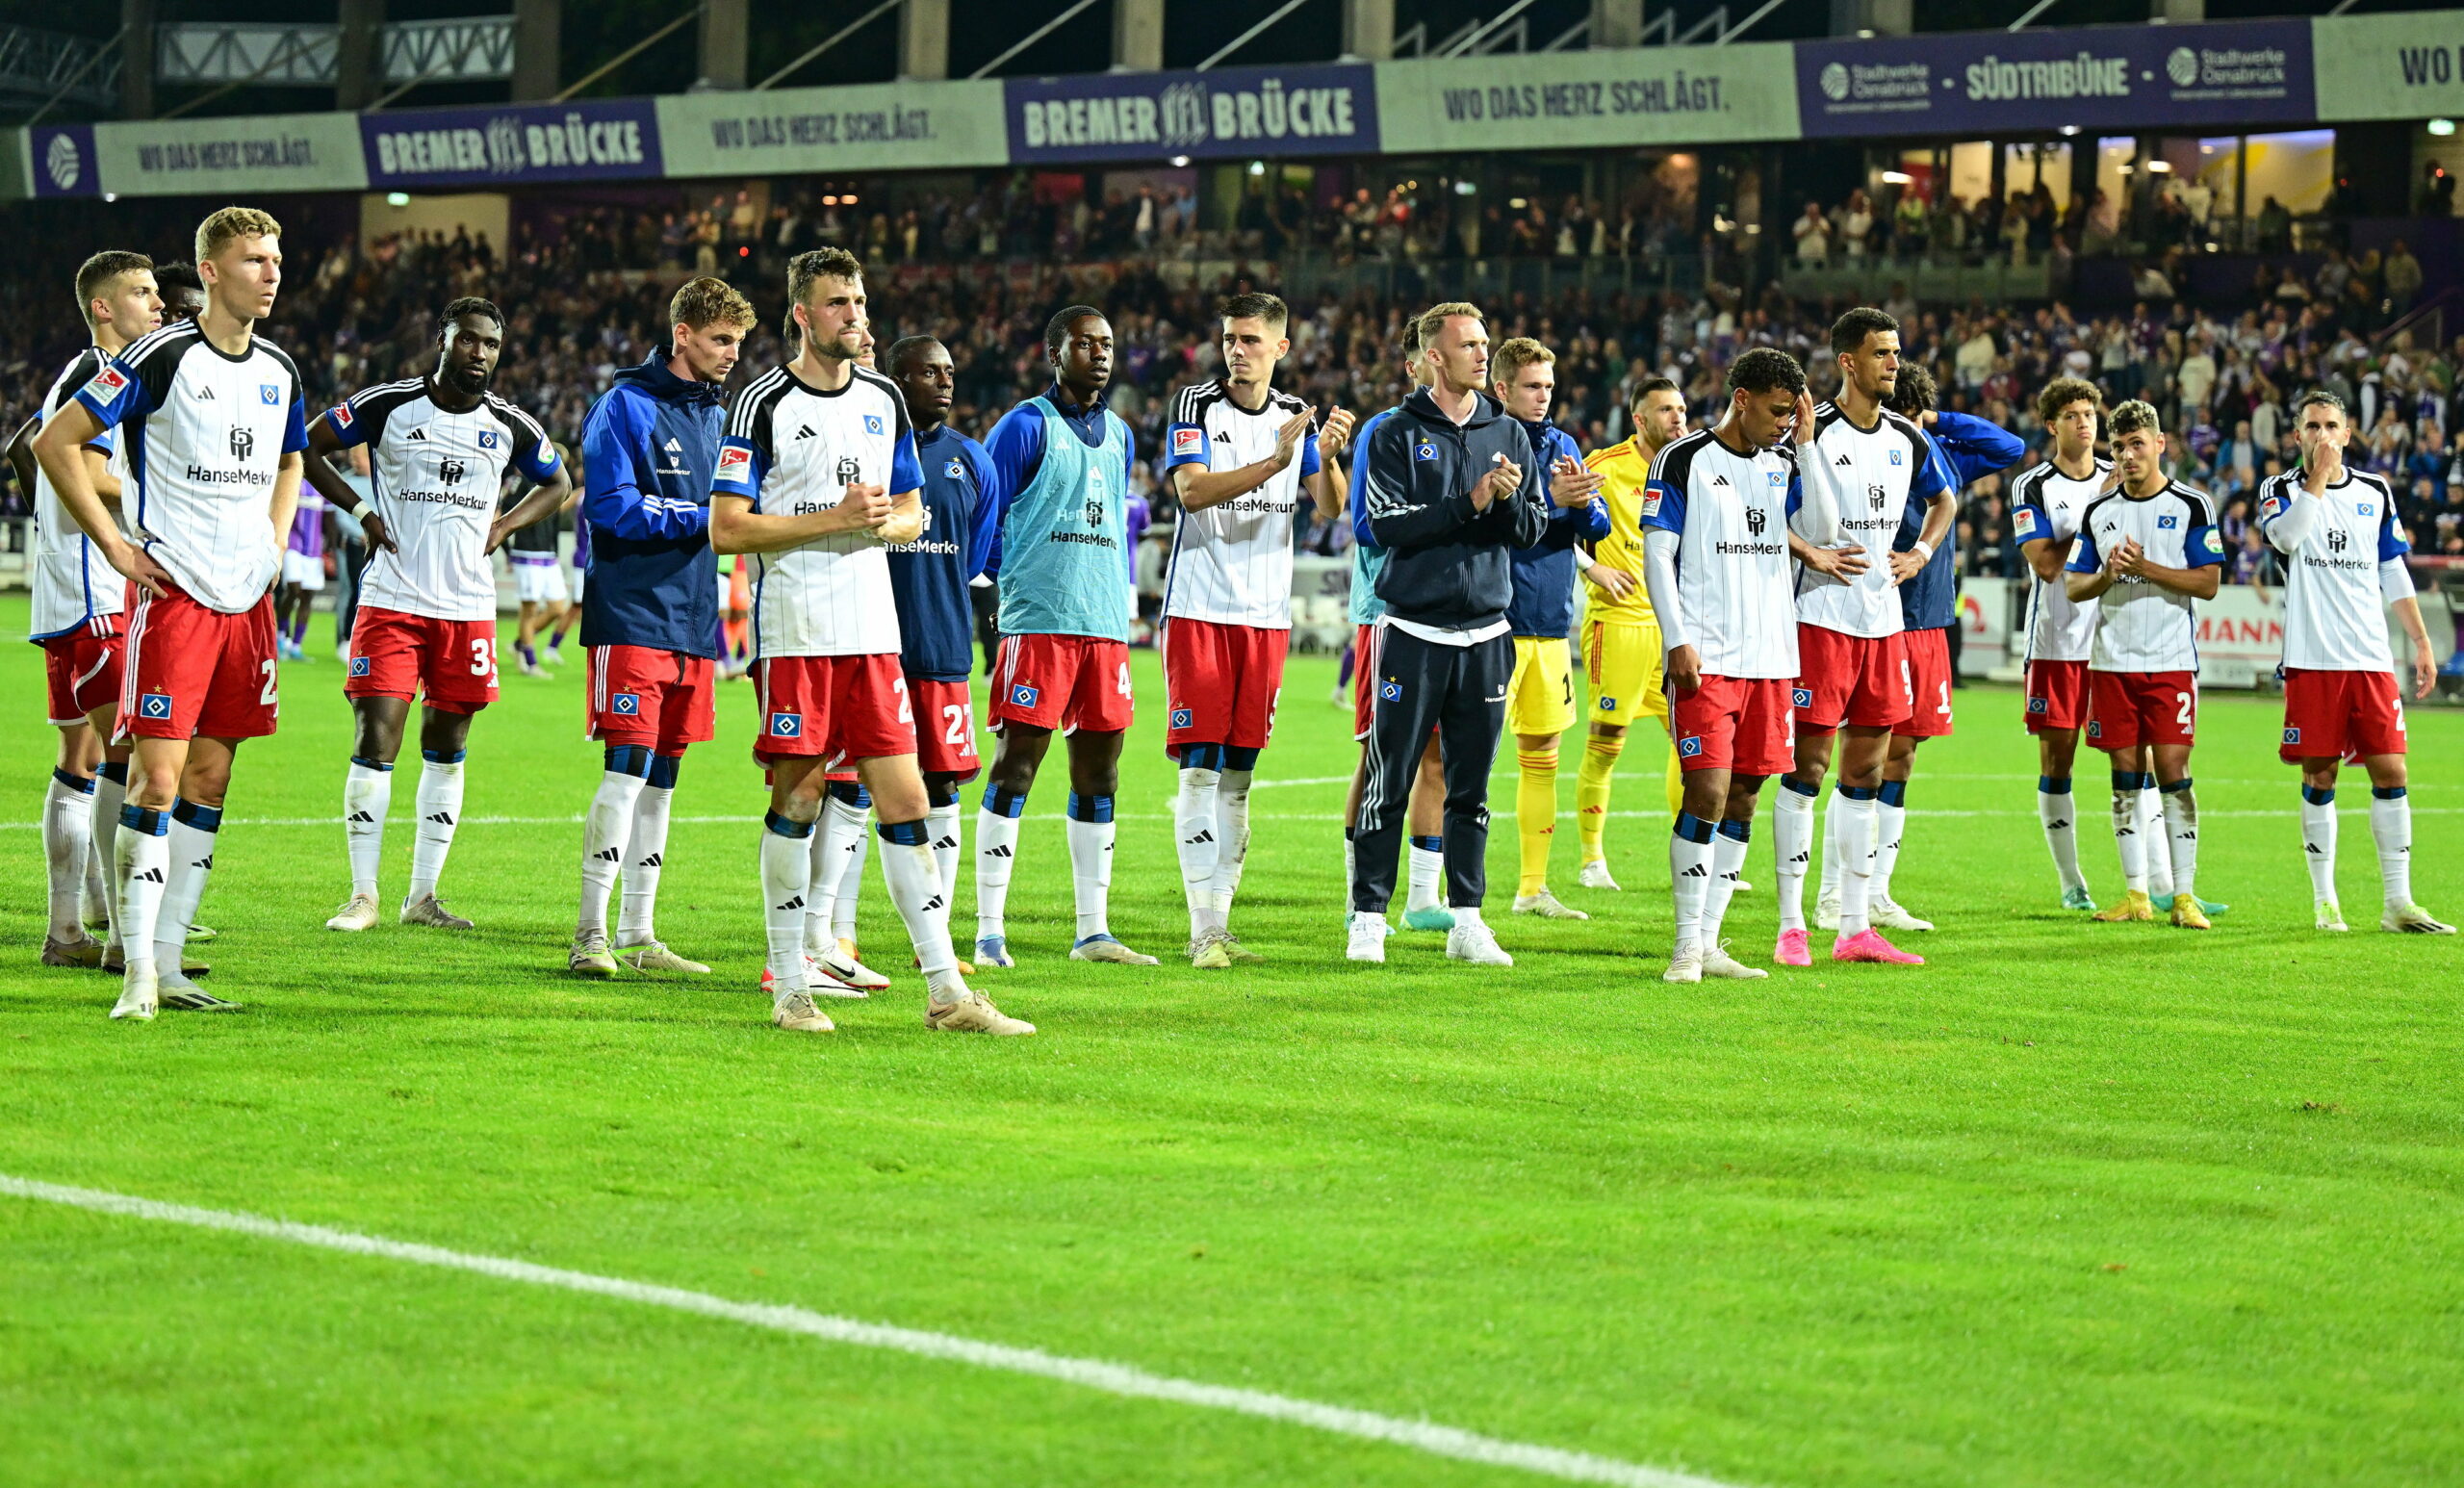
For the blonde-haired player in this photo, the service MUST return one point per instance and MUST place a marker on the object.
(1621, 637)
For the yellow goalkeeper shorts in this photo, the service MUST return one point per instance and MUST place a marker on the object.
(1540, 696)
(1622, 662)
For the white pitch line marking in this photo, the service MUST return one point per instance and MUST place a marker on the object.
(1121, 1379)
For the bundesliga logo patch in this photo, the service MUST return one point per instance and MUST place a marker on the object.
(872, 424)
(1191, 441)
(1392, 692)
(625, 705)
(341, 418)
(1181, 717)
(107, 384)
(735, 463)
(1023, 696)
(359, 666)
(1651, 502)
(154, 705)
(1804, 697)
(2026, 523)
(1690, 746)
(786, 726)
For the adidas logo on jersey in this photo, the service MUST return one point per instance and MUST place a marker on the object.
(418, 433)
(204, 394)
(672, 447)
(804, 432)
(1222, 438)
(1842, 462)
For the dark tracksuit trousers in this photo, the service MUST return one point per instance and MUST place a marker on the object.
(1460, 692)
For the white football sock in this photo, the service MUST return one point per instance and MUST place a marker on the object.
(851, 887)
(67, 839)
(996, 858)
(1856, 863)
(2129, 841)
(1793, 843)
(944, 821)
(2181, 834)
(787, 880)
(190, 846)
(1828, 890)
(645, 855)
(102, 849)
(915, 892)
(2059, 812)
(604, 832)
(1891, 823)
(440, 808)
(1428, 874)
(2390, 827)
(1690, 877)
(368, 794)
(1727, 867)
(141, 873)
(1231, 837)
(1090, 871)
(835, 842)
(2151, 836)
(2318, 842)
(1351, 866)
(1194, 826)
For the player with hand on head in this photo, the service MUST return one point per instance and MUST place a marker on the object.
(1722, 503)
(78, 602)
(1851, 643)
(2145, 549)
(1237, 453)
(1061, 462)
(1964, 448)
(1540, 694)
(649, 611)
(214, 488)
(1423, 883)
(816, 475)
(425, 624)
(2345, 564)
(1452, 489)
(1621, 637)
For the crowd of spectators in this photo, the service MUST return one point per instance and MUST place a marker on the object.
(590, 297)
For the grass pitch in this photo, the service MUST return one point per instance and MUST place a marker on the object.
(2074, 1204)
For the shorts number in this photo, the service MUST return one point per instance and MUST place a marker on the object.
(906, 709)
(266, 696)
(957, 731)
(1945, 709)
(1908, 681)
(1121, 683)
(2182, 715)
(483, 656)
(1569, 681)
(2400, 715)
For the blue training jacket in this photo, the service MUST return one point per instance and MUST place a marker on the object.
(1963, 449)
(1544, 574)
(650, 449)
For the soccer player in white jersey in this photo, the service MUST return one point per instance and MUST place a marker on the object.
(425, 623)
(1716, 517)
(216, 429)
(1237, 453)
(817, 475)
(1854, 677)
(2145, 549)
(78, 601)
(2047, 503)
(2345, 564)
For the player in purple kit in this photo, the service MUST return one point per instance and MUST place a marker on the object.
(303, 575)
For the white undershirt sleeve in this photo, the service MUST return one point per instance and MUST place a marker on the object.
(2396, 580)
(1659, 577)
(2301, 511)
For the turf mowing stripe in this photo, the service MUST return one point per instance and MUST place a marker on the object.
(1094, 1374)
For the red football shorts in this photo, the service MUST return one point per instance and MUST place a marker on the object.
(945, 727)
(642, 695)
(1735, 723)
(1363, 674)
(2132, 708)
(81, 669)
(2341, 716)
(834, 707)
(1857, 680)
(1928, 685)
(193, 672)
(2057, 696)
(1220, 682)
(1062, 682)
(396, 654)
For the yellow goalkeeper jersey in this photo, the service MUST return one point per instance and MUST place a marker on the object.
(1624, 467)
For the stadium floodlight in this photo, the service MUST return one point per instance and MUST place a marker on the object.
(1180, 162)
(2161, 167)
(397, 199)
(2442, 126)
(1897, 178)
